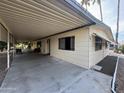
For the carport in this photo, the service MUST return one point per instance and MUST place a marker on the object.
(34, 73)
(33, 20)
(30, 20)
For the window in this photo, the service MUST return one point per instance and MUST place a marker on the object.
(98, 43)
(3, 46)
(67, 43)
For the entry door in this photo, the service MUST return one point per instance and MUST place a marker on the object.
(48, 46)
(39, 44)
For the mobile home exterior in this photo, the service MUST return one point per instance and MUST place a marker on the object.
(84, 46)
(62, 27)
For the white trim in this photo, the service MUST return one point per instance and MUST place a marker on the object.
(8, 51)
(13, 47)
(114, 77)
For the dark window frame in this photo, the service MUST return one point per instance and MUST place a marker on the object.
(98, 43)
(68, 43)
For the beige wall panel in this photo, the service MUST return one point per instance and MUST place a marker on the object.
(96, 56)
(80, 55)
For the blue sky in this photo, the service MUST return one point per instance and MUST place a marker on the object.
(110, 15)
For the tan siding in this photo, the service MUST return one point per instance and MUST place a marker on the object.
(80, 55)
(44, 49)
(96, 56)
(84, 54)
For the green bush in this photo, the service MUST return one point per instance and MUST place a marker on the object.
(3, 45)
(122, 49)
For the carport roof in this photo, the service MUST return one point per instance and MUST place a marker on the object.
(33, 19)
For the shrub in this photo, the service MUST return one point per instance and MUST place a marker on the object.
(122, 49)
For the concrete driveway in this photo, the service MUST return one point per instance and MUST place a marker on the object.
(34, 73)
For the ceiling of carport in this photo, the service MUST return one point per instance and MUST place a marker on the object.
(33, 19)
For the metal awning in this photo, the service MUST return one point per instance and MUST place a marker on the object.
(33, 19)
(94, 34)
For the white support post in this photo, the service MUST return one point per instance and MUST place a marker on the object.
(13, 46)
(8, 51)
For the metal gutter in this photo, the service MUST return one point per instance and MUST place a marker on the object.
(77, 8)
(80, 10)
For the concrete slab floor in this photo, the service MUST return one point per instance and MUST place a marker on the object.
(33, 73)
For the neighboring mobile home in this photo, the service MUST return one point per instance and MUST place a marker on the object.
(61, 28)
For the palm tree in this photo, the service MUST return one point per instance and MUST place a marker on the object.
(86, 3)
(100, 7)
(118, 14)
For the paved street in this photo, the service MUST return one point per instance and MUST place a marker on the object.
(120, 75)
